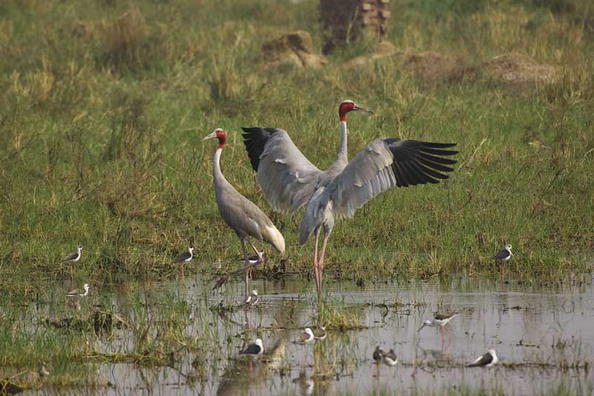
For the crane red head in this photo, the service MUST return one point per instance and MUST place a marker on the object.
(347, 106)
(219, 134)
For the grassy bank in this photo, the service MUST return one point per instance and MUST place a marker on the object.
(98, 98)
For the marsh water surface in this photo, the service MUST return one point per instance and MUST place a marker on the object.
(543, 335)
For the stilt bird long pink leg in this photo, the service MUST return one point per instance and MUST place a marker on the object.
(247, 273)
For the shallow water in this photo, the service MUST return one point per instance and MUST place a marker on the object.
(543, 336)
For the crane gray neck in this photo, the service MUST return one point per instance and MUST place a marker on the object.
(216, 165)
(342, 148)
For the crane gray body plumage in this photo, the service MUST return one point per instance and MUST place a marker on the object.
(242, 215)
(288, 179)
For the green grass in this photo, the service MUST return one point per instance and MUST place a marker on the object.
(98, 98)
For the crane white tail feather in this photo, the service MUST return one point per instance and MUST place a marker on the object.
(273, 236)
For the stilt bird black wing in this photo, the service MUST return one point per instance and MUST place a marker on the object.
(482, 360)
(501, 255)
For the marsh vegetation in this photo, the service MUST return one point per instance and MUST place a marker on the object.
(99, 98)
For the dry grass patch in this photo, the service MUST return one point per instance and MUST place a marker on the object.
(518, 69)
(294, 48)
(124, 39)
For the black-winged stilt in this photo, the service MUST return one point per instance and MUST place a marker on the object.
(320, 333)
(254, 350)
(504, 254)
(306, 337)
(42, 371)
(389, 358)
(74, 256)
(252, 299)
(184, 257)
(254, 259)
(439, 320)
(378, 354)
(78, 292)
(486, 360)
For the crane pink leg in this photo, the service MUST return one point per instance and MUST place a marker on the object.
(321, 260)
(316, 268)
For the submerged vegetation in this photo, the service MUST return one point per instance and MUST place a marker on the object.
(105, 102)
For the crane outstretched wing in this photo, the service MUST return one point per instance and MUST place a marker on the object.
(387, 163)
(287, 178)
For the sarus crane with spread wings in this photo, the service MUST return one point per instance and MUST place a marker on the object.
(289, 180)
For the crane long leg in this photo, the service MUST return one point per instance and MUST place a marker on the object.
(246, 262)
(316, 269)
(321, 260)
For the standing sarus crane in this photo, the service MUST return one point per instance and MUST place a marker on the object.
(289, 180)
(241, 214)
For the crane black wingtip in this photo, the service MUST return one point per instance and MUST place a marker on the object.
(255, 139)
(439, 145)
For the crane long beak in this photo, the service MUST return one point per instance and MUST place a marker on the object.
(363, 109)
(211, 135)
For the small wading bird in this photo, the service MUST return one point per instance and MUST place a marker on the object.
(389, 358)
(240, 214)
(185, 257)
(42, 371)
(438, 320)
(74, 256)
(289, 180)
(378, 354)
(504, 254)
(486, 360)
(320, 333)
(255, 258)
(252, 299)
(255, 349)
(306, 337)
(78, 292)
